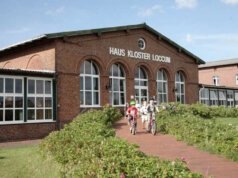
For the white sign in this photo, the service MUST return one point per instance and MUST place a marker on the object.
(138, 55)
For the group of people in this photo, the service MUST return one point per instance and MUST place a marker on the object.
(146, 111)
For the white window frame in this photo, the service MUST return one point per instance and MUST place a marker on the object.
(180, 83)
(111, 91)
(202, 96)
(222, 102)
(236, 79)
(166, 84)
(92, 76)
(216, 80)
(230, 101)
(14, 94)
(214, 100)
(35, 95)
(140, 87)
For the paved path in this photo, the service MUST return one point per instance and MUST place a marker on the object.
(166, 147)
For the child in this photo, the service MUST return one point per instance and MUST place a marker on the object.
(132, 112)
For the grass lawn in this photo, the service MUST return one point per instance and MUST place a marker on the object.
(228, 120)
(24, 162)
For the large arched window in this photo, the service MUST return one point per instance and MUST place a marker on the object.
(162, 86)
(180, 87)
(141, 84)
(118, 87)
(89, 84)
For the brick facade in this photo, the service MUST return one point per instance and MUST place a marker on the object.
(227, 75)
(65, 55)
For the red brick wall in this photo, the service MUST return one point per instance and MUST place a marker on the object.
(226, 74)
(41, 57)
(25, 131)
(70, 56)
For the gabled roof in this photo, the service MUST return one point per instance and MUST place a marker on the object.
(103, 30)
(226, 62)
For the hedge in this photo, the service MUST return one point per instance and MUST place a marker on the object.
(87, 147)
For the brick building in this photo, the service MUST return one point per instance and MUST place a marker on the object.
(219, 83)
(47, 81)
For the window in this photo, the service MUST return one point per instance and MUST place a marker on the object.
(180, 87)
(141, 43)
(230, 98)
(236, 98)
(89, 84)
(162, 87)
(11, 99)
(236, 79)
(222, 97)
(141, 84)
(39, 99)
(216, 80)
(213, 98)
(117, 83)
(204, 96)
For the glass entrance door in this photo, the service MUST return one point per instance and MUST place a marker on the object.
(141, 85)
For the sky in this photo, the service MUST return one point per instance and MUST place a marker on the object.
(207, 28)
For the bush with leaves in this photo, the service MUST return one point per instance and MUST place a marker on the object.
(87, 147)
(205, 133)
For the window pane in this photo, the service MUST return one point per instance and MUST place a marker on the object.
(1, 102)
(8, 115)
(19, 102)
(81, 83)
(81, 98)
(143, 74)
(121, 71)
(48, 102)
(1, 115)
(31, 114)
(137, 83)
(121, 85)
(18, 86)
(122, 98)
(31, 86)
(160, 75)
(9, 102)
(18, 114)
(116, 98)
(96, 98)
(1, 85)
(9, 85)
(182, 99)
(137, 73)
(39, 114)
(177, 85)
(136, 92)
(95, 83)
(48, 114)
(182, 88)
(94, 68)
(164, 87)
(88, 83)
(115, 70)
(160, 89)
(47, 87)
(115, 84)
(30, 102)
(164, 98)
(111, 98)
(143, 92)
(143, 83)
(88, 98)
(87, 67)
(39, 86)
(39, 102)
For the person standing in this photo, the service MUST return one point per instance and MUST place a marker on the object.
(144, 113)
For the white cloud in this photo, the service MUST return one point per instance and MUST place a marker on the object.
(150, 11)
(230, 2)
(18, 31)
(188, 4)
(56, 11)
(189, 38)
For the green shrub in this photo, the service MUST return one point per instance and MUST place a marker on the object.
(87, 147)
(205, 133)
